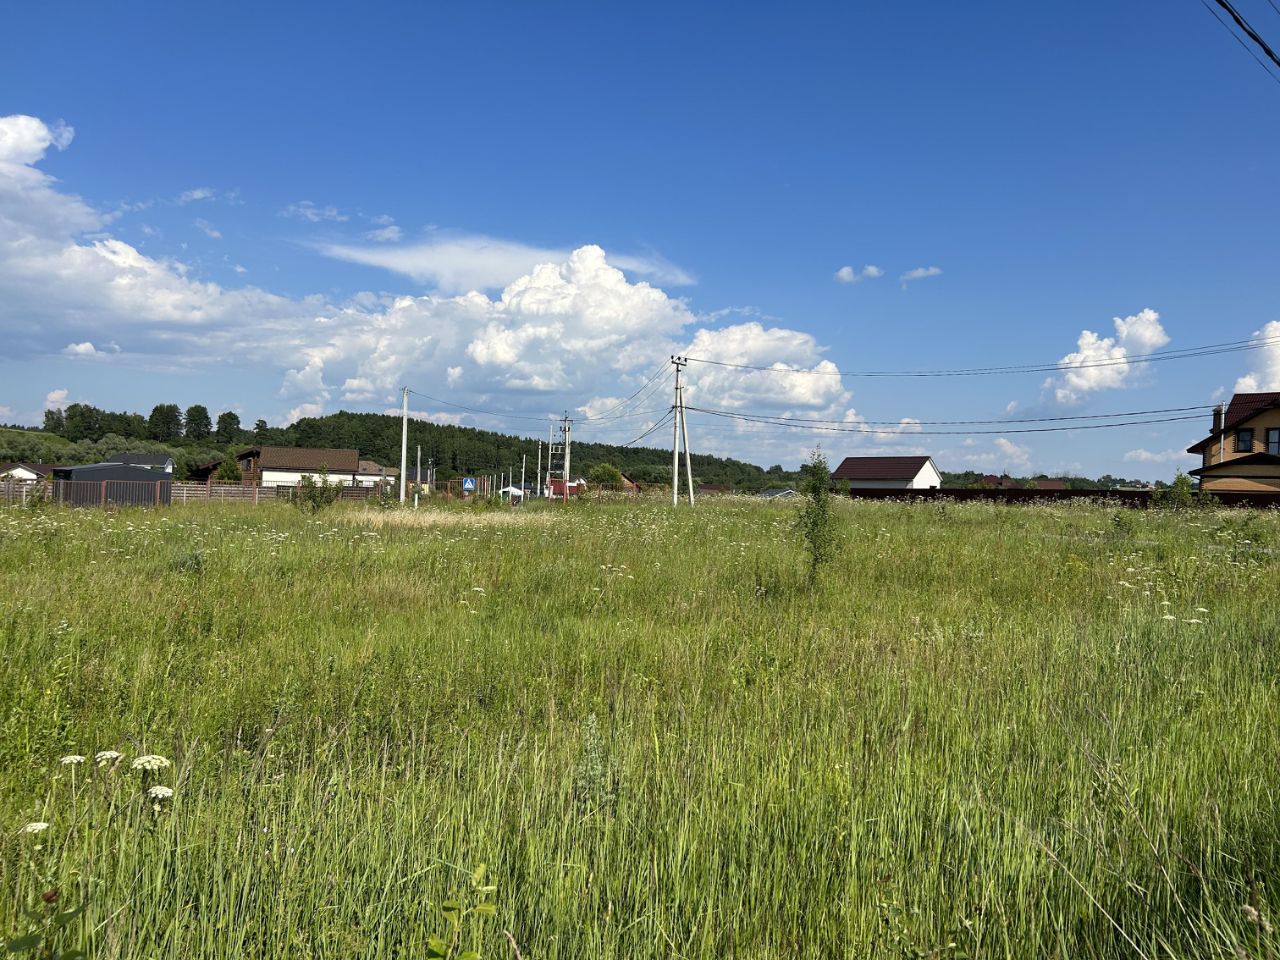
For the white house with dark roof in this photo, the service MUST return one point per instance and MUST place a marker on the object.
(889, 473)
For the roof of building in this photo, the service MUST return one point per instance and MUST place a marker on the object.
(373, 468)
(335, 460)
(880, 468)
(39, 469)
(1243, 406)
(110, 471)
(774, 492)
(1003, 482)
(141, 459)
(1226, 466)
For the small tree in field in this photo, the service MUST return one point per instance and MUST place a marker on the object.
(815, 521)
(228, 471)
(605, 474)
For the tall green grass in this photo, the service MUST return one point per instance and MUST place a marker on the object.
(987, 732)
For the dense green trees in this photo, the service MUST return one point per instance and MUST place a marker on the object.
(196, 423)
(228, 430)
(165, 423)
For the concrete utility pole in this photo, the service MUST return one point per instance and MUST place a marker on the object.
(568, 449)
(679, 428)
(417, 478)
(523, 458)
(538, 476)
(404, 442)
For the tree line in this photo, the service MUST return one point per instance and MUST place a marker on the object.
(194, 437)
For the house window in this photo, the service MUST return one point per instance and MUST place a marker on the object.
(1244, 441)
(1273, 441)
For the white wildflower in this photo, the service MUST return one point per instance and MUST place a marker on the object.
(103, 757)
(150, 762)
(159, 792)
(72, 758)
(38, 826)
(1168, 616)
(1202, 609)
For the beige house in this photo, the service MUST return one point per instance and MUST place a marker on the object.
(1243, 451)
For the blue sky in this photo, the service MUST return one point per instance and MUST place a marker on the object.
(290, 209)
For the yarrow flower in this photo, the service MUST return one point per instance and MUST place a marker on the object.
(160, 792)
(103, 757)
(38, 826)
(150, 762)
(72, 758)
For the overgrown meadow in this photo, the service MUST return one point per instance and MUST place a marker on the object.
(623, 731)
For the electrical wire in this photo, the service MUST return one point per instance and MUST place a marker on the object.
(746, 418)
(1252, 34)
(782, 420)
(605, 415)
(1244, 46)
(488, 413)
(1207, 350)
(665, 420)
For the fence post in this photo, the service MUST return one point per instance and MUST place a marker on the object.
(103, 501)
(255, 495)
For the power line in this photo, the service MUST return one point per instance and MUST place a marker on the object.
(937, 433)
(1253, 34)
(782, 420)
(604, 415)
(487, 413)
(670, 413)
(1244, 46)
(655, 384)
(1207, 350)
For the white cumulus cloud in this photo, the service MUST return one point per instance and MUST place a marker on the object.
(1102, 363)
(1161, 456)
(847, 274)
(1267, 377)
(458, 263)
(919, 273)
(306, 210)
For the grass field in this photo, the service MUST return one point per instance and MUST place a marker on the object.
(988, 732)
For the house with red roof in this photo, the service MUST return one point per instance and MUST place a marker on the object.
(1242, 451)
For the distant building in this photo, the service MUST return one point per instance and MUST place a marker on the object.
(1002, 482)
(371, 473)
(889, 473)
(1048, 483)
(154, 461)
(555, 488)
(26, 472)
(1243, 450)
(110, 484)
(779, 493)
(286, 466)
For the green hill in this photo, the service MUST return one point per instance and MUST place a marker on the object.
(466, 450)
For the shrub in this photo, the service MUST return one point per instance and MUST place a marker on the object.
(228, 471)
(312, 497)
(815, 522)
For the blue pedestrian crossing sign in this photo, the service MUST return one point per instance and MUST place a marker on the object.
(468, 484)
